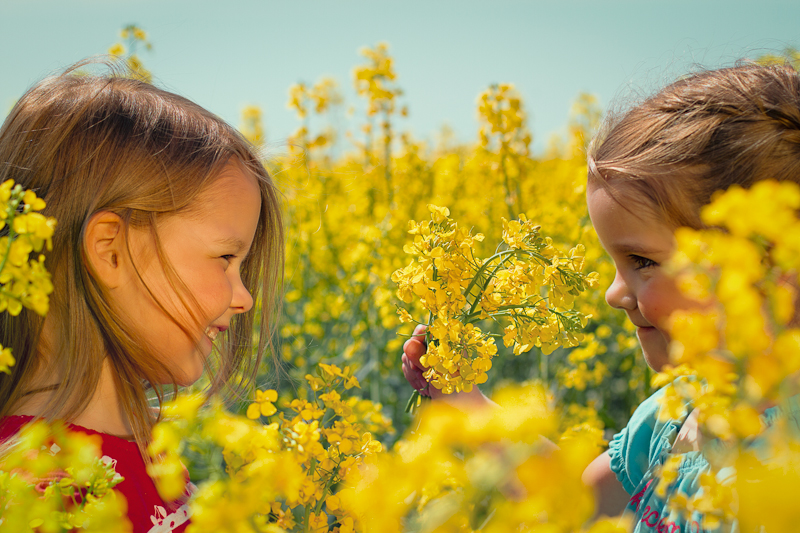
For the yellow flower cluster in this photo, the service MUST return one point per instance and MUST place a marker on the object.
(375, 80)
(579, 375)
(526, 284)
(52, 480)
(24, 281)
(286, 473)
(319, 98)
(488, 471)
(252, 125)
(505, 140)
(765, 492)
(581, 421)
(742, 342)
(135, 37)
(503, 120)
(790, 55)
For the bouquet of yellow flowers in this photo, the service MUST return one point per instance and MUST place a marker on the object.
(527, 285)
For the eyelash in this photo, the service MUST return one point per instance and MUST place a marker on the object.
(228, 257)
(642, 262)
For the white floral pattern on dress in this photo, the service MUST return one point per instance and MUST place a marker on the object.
(166, 523)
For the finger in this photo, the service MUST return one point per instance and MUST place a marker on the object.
(416, 345)
(413, 349)
(419, 333)
(413, 375)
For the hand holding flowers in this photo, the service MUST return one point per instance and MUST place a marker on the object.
(526, 286)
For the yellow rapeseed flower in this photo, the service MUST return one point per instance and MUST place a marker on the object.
(116, 50)
(263, 405)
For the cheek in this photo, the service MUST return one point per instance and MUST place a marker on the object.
(213, 292)
(661, 298)
(658, 300)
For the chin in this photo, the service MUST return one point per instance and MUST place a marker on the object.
(654, 348)
(188, 373)
(186, 381)
(655, 361)
(189, 377)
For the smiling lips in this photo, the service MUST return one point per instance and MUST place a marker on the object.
(213, 331)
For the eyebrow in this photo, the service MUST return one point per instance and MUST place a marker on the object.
(233, 242)
(635, 249)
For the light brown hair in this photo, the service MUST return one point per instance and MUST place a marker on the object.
(701, 134)
(87, 144)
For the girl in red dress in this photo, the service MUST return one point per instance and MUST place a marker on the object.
(168, 228)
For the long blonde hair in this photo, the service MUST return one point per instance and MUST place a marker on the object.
(106, 143)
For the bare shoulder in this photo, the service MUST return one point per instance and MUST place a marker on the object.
(611, 497)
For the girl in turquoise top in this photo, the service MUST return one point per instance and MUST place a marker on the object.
(651, 169)
(650, 172)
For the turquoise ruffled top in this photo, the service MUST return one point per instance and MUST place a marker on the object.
(646, 443)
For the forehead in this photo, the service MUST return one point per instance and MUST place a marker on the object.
(617, 223)
(233, 183)
(230, 190)
(227, 209)
(606, 199)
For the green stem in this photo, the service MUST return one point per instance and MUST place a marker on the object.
(328, 484)
(509, 198)
(544, 369)
(412, 401)
(387, 156)
(479, 294)
(503, 255)
(10, 296)
(329, 420)
(308, 509)
(474, 317)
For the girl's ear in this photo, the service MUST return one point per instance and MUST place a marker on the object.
(104, 242)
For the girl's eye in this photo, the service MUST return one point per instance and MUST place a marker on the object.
(228, 257)
(642, 262)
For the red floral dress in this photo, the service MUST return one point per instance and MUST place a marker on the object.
(147, 511)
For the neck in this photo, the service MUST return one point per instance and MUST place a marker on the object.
(103, 413)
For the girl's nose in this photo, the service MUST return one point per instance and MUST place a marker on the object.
(619, 294)
(242, 300)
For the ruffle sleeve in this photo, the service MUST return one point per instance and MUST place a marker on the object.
(642, 443)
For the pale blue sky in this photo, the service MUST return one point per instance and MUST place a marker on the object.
(225, 54)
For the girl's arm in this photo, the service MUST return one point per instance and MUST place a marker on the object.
(609, 495)
(611, 498)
